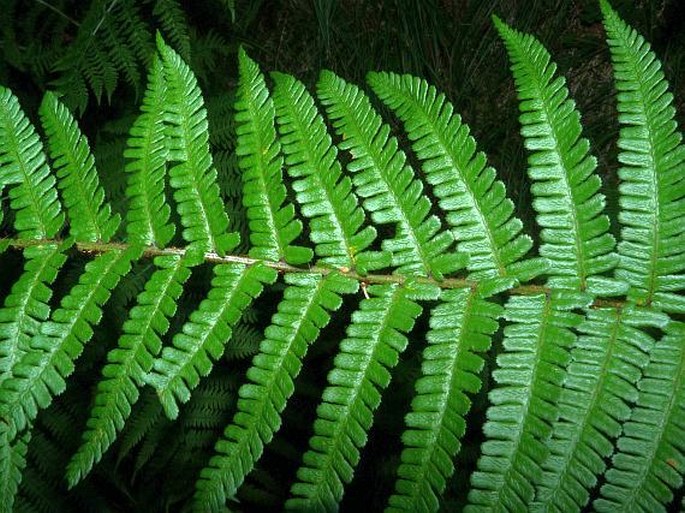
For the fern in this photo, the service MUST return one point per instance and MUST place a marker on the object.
(177, 371)
(130, 362)
(652, 258)
(574, 235)
(336, 217)
(460, 327)
(302, 313)
(599, 388)
(529, 377)
(466, 188)
(90, 219)
(383, 179)
(193, 178)
(375, 260)
(648, 464)
(40, 373)
(22, 161)
(361, 370)
(272, 224)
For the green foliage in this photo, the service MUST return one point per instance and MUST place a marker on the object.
(651, 251)
(22, 161)
(74, 164)
(384, 251)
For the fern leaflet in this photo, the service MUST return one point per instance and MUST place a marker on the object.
(40, 374)
(361, 370)
(272, 222)
(383, 178)
(302, 313)
(574, 235)
(90, 216)
(461, 326)
(651, 452)
(335, 216)
(476, 206)
(524, 404)
(22, 163)
(12, 464)
(194, 177)
(147, 219)
(599, 387)
(652, 189)
(177, 371)
(129, 362)
(26, 307)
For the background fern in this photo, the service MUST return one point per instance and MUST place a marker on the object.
(410, 284)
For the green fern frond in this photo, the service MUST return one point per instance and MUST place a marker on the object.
(524, 404)
(147, 218)
(272, 222)
(174, 24)
(40, 374)
(144, 417)
(599, 387)
(391, 192)
(129, 362)
(584, 403)
(23, 165)
(336, 218)
(650, 461)
(303, 312)
(90, 216)
(26, 307)
(476, 207)
(460, 327)
(193, 178)
(179, 368)
(12, 464)
(244, 341)
(375, 338)
(575, 232)
(652, 188)
(112, 40)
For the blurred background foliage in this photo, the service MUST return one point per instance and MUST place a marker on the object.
(95, 53)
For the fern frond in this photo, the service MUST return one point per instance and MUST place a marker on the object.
(90, 216)
(652, 187)
(193, 178)
(22, 163)
(147, 219)
(40, 374)
(179, 368)
(12, 464)
(336, 219)
(575, 232)
(174, 24)
(391, 192)
(272, 222)
(142, 420)
(375, 338)
(599, 387)
(129, 362)
(650, 461)
(112, 40)
(303, 312)
(26, 307)
(121, 55)
(477, 210)
(460, 327)
(524, 404)
(244, 341)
